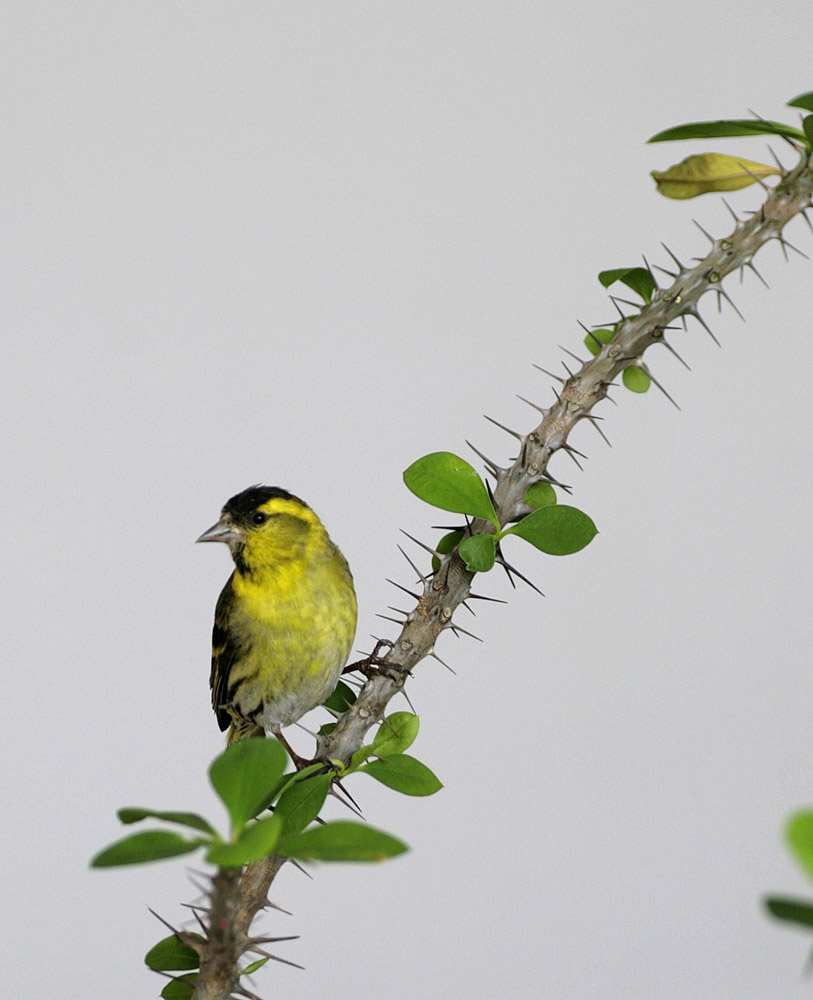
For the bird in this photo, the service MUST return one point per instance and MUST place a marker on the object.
(286, 618)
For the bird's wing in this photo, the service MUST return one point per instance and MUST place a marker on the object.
(225, 653)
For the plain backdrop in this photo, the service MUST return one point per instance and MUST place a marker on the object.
(304, 244)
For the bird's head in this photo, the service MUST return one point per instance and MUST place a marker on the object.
(264, 525)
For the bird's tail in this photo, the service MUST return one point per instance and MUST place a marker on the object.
(243, 729)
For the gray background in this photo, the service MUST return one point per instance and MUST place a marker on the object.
(304, 244)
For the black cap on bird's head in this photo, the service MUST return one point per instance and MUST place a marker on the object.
(237, 513)
(243, 505)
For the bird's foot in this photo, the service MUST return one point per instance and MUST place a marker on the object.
(375, 664)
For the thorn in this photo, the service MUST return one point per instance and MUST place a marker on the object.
(399, 610)
(574, 356)
(253, 942)
(387, 618)
(803, 213)
(435, 656)
(429, 549)
(671, 350)
(539, 409)
(568, 452)
(166, 923)
(416, 597)
(275, 906)
(482, 597)
(692, 311)
(651, 275)
(734, 215)
(635, 305)
(749, 263)
(591, 334)
(495, 469)
(276, 958)
(722, 293)
(776, 160)
(706, 234)
(408, 700)
(296, 864)
(674, 258)
(340, 786)
(657, 383)
(459, 628)
(759, 180)
(502, 427)
(663, 270)
(784, 243)
(593, 419)
(551, 375)
(471, 611)
(512, 569)
(569, 372)
(421, 577)
(614, 301)
(203, 926)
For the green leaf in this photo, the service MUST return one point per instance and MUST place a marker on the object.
(449, 482)
(301, 801)
(133, 814)
(540, 495)
(257, 840)
(605, 336)
(636, 379)
(341, 841)
(558, 530)
(799, 832)
(794, 911)
(637, 278)
(807, 125)
(359, 757)
(341, 699)
(404, 774)
(396, 733)
(250, 969)
(708, 172)
(151, 845)
(179, 989)
(725, 128)
(245, 776)
(477, 552)
(172, 955)
(447, 544)
(802, 101)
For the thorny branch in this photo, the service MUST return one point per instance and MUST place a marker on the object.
(235, 901)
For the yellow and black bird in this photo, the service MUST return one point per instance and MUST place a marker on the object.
(285, 621)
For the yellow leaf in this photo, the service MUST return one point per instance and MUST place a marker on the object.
(709, 172)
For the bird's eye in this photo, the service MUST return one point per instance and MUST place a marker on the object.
(258, 517)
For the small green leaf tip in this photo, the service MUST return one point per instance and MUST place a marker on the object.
(802, 101)
(540, 495)
(799, 833)
(794, 911)
(636, 379)
(478, 553)
(396, 733)
(171, 955)
(449, 482)
(639, 279)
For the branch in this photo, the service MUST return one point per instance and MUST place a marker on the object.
(235, 902)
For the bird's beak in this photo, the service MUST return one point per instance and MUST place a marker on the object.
(224, 531)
